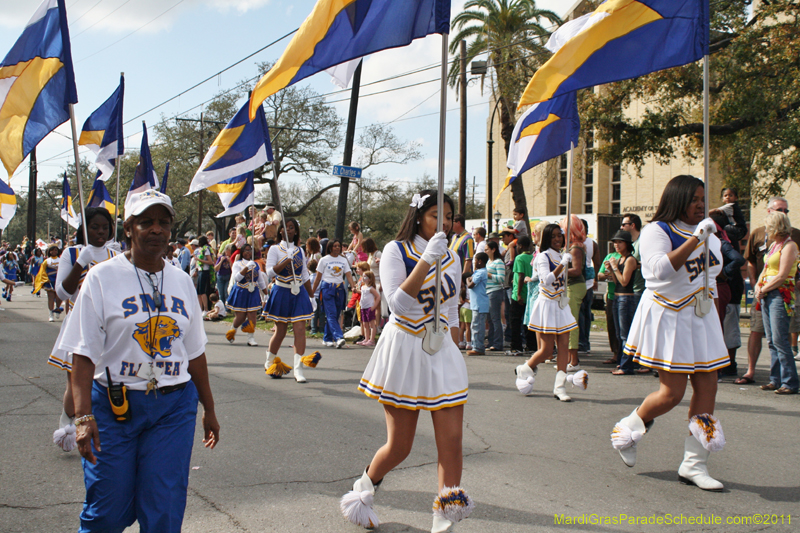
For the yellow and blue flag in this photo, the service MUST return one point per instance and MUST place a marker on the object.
(163, 188)
(543, 132)
(37, 84)
(236, 194)
(337, 31)
(241, 147)
(102, 132)
(100, 197)
(621, 39)
(67, 213)
(8, 204)
(144, 177)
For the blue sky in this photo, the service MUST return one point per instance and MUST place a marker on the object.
(166, 46)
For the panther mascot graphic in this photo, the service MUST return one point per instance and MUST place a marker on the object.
(161, 332)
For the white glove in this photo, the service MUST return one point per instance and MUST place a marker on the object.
(313, 303)
(565, 259)
(436, 248)
(251, 265)
(91, 254)
(727, 209)
(705, 228)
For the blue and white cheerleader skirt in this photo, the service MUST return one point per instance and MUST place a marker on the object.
(283, 306)
(241, 299)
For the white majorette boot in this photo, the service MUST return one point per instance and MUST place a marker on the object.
(274, 367)
(626, 434)
(298, 368)
(706, 437)
(356, 505)
(52, 317)
(451, 506)
(560, 390)
(64, 436)
(251, 339)
(525, 378)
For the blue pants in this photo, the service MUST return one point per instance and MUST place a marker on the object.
(495, 322)
(479, 330)
(222, 287)
(143, 471)
(585, 321)
(626, 308)
(333, 302)
(783, 370)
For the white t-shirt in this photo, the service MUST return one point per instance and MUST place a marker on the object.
(116, 324)
(220, 307)
(333, 268)
(367, 298)
(590, 247)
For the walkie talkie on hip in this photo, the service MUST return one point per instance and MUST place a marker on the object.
(118, 397)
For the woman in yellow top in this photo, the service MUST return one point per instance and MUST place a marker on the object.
(774, 292)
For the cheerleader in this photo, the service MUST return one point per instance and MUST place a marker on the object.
(676, 331)
(245, 298)
(407, 373)
(46, 279)
(73, 266)
(551, 317)
(34, 264)
(11, 268)
(290, 301)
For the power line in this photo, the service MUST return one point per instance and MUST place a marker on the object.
(102, 19)
(85, 12)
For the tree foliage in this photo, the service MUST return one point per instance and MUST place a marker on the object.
(754, 102)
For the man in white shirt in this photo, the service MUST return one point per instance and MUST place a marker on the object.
(273, 223)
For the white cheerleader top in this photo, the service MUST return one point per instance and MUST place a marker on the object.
(67, 261)
(550, 286)
(278, 253)
(248, 281)
(411, 313)
(673, 289)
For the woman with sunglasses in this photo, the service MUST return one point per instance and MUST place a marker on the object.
(72, 269)
(138, 341)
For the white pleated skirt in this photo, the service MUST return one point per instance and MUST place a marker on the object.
(61, 358)
(676, 341)
(401, 374)
(548, 317)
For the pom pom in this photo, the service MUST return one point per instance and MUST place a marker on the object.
(623, 437)
(525, 386)
(453, 504)
(278, 369)
(311, 360)
(708, 431)
(65, 438)
(230, 335)
(356, 507)
(579, 379)
(248, 327)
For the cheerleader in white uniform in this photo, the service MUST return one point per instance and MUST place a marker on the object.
(290, 301)
(549, 319)
(73, 266)
(46, 279)
(245, 297)
(676, 331)
(406, 378)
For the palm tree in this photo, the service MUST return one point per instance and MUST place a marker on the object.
(514, 33)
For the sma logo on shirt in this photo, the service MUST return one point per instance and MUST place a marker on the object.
(156, 335)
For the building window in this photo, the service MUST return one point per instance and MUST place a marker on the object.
(616, 190)
(562, 184)
(588, 178)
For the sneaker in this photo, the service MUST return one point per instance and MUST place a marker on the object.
(462, 345)
(341, 342)
(797, 357)
(475, 352)
(204, 314)
(329, 344)
(573, 368)
(513, 353)
(468, 346)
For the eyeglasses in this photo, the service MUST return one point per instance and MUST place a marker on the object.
(627, 223)
(784, 211)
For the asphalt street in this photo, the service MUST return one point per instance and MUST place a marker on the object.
(289, 451)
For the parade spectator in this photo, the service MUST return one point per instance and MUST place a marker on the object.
(590, 271)
(576, 282)
(775, 294)
(632, 223)
(496, 273)
(520, 228)
(370, 305)
(355, 244)
(272, 225)
(184, 255)
(224, 268)
(510, 242)
(313, 250)
(519, 294)
(218, 311)
(612, 318)
(374, 261)
(479, 236)
(212, 242)
(462, 244)
(205, 262)
(480, 303)
(464, 318)
(757, 245)
(532, 283)
(622, 271)
(230, 240)
(322, 235)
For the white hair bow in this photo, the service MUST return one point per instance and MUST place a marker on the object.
(418, 200)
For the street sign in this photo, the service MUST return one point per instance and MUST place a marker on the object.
(347, 172)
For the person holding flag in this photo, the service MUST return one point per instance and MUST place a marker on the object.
(245, 297)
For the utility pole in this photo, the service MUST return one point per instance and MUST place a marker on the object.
(462, 162)
(341, 209)
(200, 194)
(32, 187)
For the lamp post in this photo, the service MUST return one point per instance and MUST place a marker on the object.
(310, 232)
(497, 216)
(490, 170)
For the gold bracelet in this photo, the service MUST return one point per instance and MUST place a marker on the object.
(83, 419)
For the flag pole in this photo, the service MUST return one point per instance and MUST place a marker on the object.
(440, 189)
(78, 171)
(116, 169)
(705, 168)
(277, 200)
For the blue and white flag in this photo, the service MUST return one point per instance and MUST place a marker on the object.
(163, 188)
(8, 204)
(37, 84)
(145, 176)
(102, 132)
(100, 197)
(236, 194)
(67, 213)
(241, 147)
